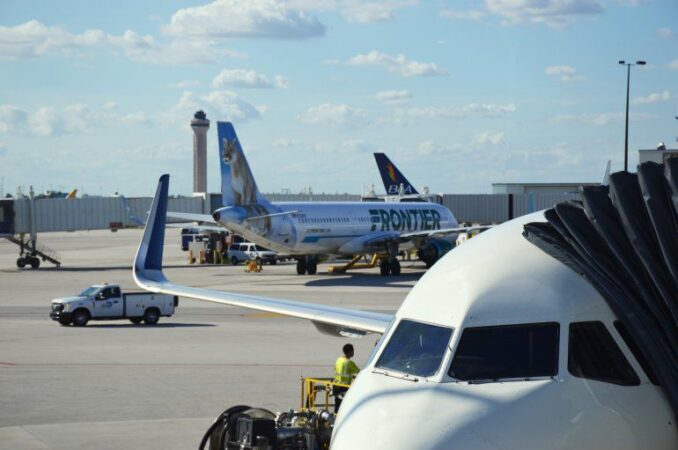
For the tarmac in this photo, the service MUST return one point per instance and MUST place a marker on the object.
(115, 385)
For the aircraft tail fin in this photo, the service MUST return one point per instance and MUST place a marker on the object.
(606, 175)
(395, 182)
(237, 183)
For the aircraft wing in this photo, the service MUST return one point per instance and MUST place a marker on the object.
(193, 217)
(441, 232)
(148, 275)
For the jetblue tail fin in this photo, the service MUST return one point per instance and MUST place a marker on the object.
(395, 182)
(237, 183)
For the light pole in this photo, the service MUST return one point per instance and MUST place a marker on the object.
(628, 84)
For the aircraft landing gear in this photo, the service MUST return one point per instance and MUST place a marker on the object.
(390, 265)
(307, 264)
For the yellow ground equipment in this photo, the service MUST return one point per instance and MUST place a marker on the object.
(354, 264)
(312, 387)
(253, 265)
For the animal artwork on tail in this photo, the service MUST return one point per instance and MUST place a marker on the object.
(242, 181)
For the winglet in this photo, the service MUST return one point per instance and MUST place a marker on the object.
(148, 262)
(606, 175)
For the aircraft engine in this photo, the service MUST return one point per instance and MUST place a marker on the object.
(433, 250)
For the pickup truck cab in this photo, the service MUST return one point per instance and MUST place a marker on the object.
(246, 251)
(108, 302)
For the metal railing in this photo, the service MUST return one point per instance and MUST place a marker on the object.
(311, 387)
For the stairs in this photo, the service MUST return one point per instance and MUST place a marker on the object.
(41, 250)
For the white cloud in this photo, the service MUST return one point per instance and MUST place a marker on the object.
(558, 14)
(248, 79)
(665, 33)
(13, 119)
(564, 73)
(186, 84)
(285, 143)
(404, 116)
(34, 39)
(245, 19)
(600, 119)
(469, 14)
(356, 11)
(333, 114)
(393, 97)
(138, 118)
(72, 119)
(430, 148)
(224, 105)
(397, 64)
(655, 97)
(673, 64)
(488, 137)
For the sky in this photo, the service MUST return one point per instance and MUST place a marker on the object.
(460, 94)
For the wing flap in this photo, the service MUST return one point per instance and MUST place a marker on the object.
(148, 275)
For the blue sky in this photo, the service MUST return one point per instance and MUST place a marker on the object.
(460, 94)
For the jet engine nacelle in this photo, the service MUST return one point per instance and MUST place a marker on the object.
(434, 250)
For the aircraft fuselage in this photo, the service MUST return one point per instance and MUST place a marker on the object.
(325, 228)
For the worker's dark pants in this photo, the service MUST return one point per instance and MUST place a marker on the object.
(339, 393)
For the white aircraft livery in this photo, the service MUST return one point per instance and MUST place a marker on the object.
(307, 230)
(498, 346)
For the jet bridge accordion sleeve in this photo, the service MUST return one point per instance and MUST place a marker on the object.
(623, 239)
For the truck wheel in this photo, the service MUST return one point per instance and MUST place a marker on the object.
(80, 317)
(20, 263)
(35, 262)
(151, 316)
(65, 322)
(136, 320)
(234, 261)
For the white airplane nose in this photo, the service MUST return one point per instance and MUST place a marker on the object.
(407, 418)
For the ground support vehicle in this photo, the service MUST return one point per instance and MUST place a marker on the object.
(108, 302)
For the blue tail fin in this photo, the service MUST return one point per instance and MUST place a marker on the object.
(392, 178)
(237, 183)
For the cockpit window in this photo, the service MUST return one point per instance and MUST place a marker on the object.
(415, 348)
(507, 351)
(595, 355)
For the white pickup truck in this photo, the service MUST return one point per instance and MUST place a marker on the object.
(107, 302)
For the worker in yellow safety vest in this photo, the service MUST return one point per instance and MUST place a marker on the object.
(344, 372)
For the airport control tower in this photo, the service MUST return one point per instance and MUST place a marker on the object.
(200, 125)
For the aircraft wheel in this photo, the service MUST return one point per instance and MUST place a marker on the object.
(35, 262)
(395, 267)
(384, 268)
(20, 263)
(312, 267)
(301, 266)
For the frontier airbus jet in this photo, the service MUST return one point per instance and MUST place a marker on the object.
(308, 230)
